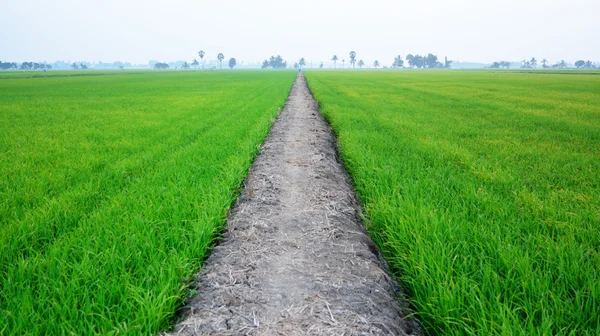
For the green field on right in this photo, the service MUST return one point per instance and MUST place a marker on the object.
(482, 189)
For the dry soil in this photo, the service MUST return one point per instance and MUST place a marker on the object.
(295, 258)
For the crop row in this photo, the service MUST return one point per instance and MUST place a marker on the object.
(112, 189)
(482, 190)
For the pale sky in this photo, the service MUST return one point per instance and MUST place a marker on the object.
(140, 30)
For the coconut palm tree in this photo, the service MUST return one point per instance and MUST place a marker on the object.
(201, 53)
(533, 62)
(361, 63)
(544, 63)
(220, 57)
(334, 59)
(376, 64)
(352, 58)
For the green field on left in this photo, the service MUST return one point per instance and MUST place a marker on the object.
(114, 186)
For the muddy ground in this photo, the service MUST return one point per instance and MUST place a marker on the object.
(295, 259)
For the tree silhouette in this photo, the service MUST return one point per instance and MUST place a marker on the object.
(334, 59)
(302, 62)
(321, 65)
(343, 63)
(220, 57)
(533, 62)
(361, 63)
(544, 63)
(580, 63)
(376, 64)
(352, 58)
(398, 62)
(74, 66)
(275, 62)
(185, 65)
(432, 61)
(201, 53)
(232, 63)
(195, 63)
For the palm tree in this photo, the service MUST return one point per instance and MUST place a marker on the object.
(398, 62)
(361, 63)
(220, 57)
(562, 64)
(201, 53)
(544, 62)
(321, 65)
(302, 62)
(334, 59)
(533, 62)
(352, 58)
(195, 63)
(376, 64)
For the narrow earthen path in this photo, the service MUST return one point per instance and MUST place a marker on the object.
(295, 259)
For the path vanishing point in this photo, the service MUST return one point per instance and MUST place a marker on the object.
(295, 258)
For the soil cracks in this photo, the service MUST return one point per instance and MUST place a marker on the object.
(295, 258)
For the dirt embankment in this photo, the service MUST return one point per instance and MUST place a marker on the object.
(296, 259)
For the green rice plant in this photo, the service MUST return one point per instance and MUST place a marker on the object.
(113, 188)
(482, 188)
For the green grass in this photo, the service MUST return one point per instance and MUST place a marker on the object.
(482, 189)
(112, 189)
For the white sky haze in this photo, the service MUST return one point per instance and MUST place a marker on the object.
(138, 31)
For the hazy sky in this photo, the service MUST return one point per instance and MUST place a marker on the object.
(140, 30)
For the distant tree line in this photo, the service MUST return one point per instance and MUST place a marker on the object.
(60, 65)
(532, 64)
(201, 53)
(274, 62)
(501, 64)
(430, 61)
(8, 65)
(584, 64)
(277, 62)
(415, 61)
(81, 66)
(161, 65)
(34, 66)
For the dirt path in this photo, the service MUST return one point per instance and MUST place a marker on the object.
(295, 259)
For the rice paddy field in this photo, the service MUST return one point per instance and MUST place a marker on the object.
(113, 188)
(483, 190)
